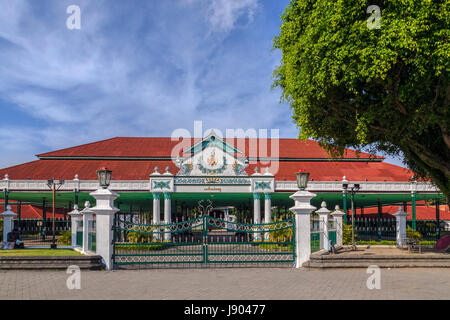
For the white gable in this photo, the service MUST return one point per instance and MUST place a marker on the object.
(212, 157)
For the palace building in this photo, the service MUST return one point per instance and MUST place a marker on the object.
(253, 177)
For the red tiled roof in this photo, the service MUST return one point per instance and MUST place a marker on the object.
(139, 170)
(423, 212)
(65, 167)
(162, 147)
(32, 211)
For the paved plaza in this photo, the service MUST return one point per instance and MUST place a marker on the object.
(237, 283)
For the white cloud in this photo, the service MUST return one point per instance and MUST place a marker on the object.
(223, 14)
(131, 71)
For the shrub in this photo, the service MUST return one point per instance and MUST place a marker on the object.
(137, 237)
(65, 238)
(413, 235)
(347, 234)
(142, 234)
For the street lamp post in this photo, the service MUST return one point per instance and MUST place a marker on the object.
(54, 186)
(353, 189)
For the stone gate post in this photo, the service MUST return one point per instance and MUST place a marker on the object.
(8, 222)
(323, 213)
(337, 214)
(87, 214)
(400, 217)
(105, 210)
(302, 210)
(75, 218)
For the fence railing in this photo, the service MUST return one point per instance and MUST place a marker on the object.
(428, 228)
(375, 229)
(79, 241)
(92, 235)
(39, 233)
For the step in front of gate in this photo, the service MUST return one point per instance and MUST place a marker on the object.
(50, 262)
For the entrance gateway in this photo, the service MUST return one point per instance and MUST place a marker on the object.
(209, 167)
(204, 241)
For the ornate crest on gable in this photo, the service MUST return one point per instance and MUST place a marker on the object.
(212, 157)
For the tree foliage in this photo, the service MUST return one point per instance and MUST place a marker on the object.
(385, 89)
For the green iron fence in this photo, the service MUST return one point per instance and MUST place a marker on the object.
(315, 241)
(79, 233)
(332, 237)
(39, 232)
(92, 239)
(204, 241)
(429, 230)
(375, 229)
(315, 233)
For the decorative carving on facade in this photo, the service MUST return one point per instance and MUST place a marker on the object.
(212, 157)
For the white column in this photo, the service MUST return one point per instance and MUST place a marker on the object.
(167, 213)
(267, 212)
(337, 214)
(88, 215)
(156, 213)
(75, 217)
(256, 213)
(302, 210)
(400, 217)
(104, 211)
(156, 207)
(323, 213)
(8, 222)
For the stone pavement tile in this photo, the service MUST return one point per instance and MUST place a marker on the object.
(241, 284)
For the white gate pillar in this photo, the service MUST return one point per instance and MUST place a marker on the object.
(88, 214)
(302, 210)
(8, 222)
(323, 213)
(167, 214)
(256, 213)
(400, 217)
(267, 212)
(337, 214)
(75, 217)
(105, 211)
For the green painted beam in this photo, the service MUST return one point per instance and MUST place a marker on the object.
(144, 199)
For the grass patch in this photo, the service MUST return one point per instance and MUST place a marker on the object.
(375, 243)
(39, 252)
(391, 243)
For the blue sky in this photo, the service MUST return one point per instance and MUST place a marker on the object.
(135, 68)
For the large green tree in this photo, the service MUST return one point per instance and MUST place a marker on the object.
(351, 84)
